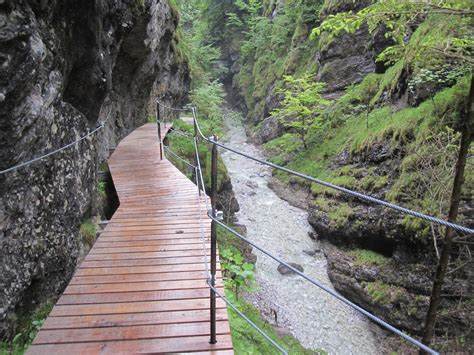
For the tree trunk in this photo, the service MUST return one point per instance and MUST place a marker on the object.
(435, 298)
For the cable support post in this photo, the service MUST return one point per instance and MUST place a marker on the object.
(213, 339)
(196, 153)
(198, 180)
(201, 179)
(203, 238)
(158, 123)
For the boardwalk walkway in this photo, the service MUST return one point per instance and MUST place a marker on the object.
(142, 287)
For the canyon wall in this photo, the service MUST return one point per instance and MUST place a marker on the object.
(66, 67)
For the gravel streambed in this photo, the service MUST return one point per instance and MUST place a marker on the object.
(316, 319)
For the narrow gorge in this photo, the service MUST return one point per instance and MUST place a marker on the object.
(372, 96)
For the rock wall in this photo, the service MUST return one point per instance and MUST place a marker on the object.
(66, 67)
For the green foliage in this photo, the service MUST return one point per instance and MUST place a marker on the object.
(340, 214)
(151, 119)
(437, 76)
(203, 57)
(237, 273)
(173, 6)
(302, 102)
(397, 18)
(283, 148)
(247, 340)
(364, 257)
(274, 46)
(422, 181)
(27, 327)
(428, 171)
(196, 45)
(88, 232)
(209, 98)
(102, 189)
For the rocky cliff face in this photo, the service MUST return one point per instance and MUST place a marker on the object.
(66, 67)
(378, 261)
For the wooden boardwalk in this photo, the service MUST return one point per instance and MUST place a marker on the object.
(142, 287)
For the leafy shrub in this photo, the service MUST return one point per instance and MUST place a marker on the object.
(27, 328)
(237, 272)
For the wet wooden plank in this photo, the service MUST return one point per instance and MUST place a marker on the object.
(103, 271)
(177, 344)
(118, 320)
(134, 296)
(155, 331)
(143, 262)
(137, 286)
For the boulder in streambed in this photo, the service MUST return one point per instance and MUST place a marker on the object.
(284, 270)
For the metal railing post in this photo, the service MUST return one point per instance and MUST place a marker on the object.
(164, 119)
(213, 240)
(196, 158)
(159, 129)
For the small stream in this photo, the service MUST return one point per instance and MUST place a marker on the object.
(316, 319)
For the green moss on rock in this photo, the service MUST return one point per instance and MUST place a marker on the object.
(364, 257)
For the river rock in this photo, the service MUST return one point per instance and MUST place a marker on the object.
(312, 252)
(284, 270)
(313, 235)
(251, 184)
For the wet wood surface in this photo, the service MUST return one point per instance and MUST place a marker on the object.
(142, 287)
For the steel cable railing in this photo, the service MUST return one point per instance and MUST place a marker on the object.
(359, 195)
(175, 155)
(208, 274)
(41, 157)
(216, 221)
(328, 290)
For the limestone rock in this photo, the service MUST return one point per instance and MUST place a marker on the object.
(67, 66)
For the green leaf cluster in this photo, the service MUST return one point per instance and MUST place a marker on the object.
(272, 46)
(301, 104)
(237, 273)
(397, 18)
(27, 328)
